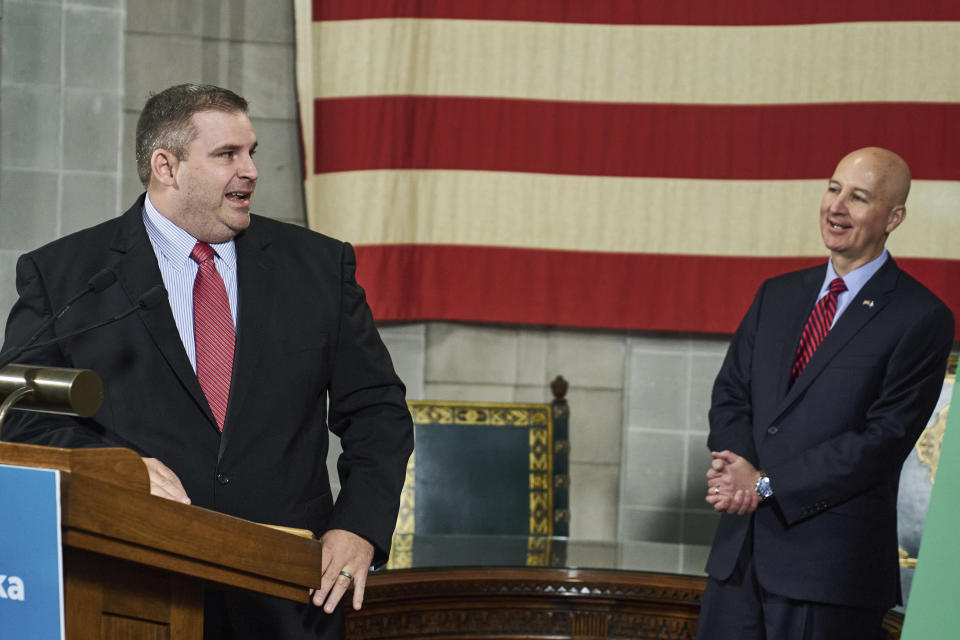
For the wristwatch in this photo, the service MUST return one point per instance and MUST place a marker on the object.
(763, 488)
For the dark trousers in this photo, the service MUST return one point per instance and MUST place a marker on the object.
(240, 615)
(739, 608)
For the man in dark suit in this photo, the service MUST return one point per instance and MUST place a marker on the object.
(826, 386)
(223, 386)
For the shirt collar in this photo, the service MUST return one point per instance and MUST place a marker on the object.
(176, 244)
(856, 278)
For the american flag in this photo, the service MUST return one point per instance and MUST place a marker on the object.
(623, 164)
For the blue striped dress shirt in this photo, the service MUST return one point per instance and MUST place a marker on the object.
(173, 245)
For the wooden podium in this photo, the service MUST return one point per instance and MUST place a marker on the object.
(135, 565)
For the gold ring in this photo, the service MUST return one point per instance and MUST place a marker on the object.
(347, 575)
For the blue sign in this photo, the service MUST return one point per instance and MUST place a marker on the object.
(31, 563)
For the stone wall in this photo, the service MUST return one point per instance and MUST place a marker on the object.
(61, 86)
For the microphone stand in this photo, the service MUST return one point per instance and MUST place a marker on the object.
(72, 392)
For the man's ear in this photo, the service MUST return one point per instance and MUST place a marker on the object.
(163, 166)
(897, 215)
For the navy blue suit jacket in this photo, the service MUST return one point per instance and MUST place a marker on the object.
(305, 335)
(833, 443)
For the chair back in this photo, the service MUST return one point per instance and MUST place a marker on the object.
(487, 476)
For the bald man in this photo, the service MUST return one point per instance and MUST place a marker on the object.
(826, 387)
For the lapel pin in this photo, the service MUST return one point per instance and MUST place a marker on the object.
(868, 303)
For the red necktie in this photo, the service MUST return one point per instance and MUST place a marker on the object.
(213, 332)
(818, 324)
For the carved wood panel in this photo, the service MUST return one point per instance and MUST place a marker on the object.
(532, 604)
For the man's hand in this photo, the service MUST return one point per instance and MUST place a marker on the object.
(731, 484)
(164, 482)
(343, 552)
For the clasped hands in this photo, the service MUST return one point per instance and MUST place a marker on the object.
(346, 557)
(731, 484)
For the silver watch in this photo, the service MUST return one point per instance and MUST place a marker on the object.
(763, 488)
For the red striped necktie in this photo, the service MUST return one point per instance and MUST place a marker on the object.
(213, 332)
(818, 324)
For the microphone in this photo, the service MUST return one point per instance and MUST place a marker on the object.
(97, 283)
(150, 299)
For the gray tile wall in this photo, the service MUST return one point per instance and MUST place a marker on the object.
(61, 84)
(665, 457)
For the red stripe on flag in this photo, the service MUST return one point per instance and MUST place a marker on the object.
(622, 139)
(680, 12)
(704, 294)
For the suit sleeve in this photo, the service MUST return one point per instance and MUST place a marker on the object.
(368, 411)
(31, 309)
(731, 407)
(866, 456)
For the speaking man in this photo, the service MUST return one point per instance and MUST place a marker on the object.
(827, 384)
(223, 386)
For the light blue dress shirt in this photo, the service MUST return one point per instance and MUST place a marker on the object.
(854, 281)
(173, 245)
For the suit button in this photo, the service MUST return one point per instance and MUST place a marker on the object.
(223, 479)
(773, 431)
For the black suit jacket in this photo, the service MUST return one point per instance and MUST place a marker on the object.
(833, 443)
(305, 334)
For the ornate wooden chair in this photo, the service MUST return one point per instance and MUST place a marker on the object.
(487, 483)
